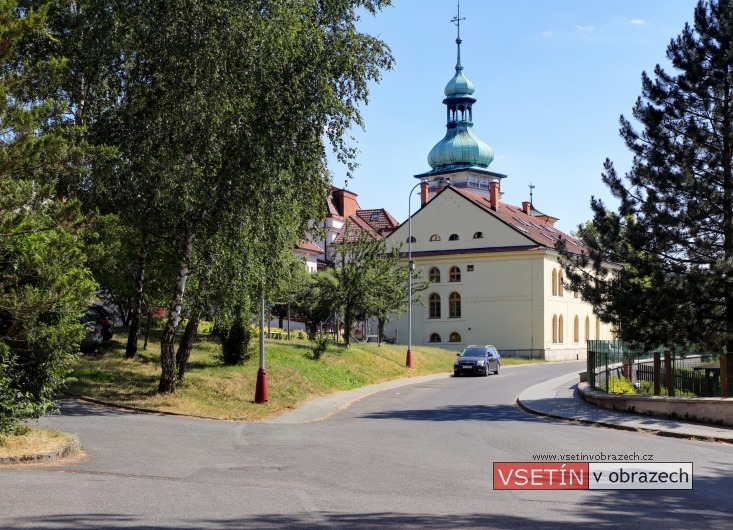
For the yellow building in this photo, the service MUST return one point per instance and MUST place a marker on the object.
(494, 269)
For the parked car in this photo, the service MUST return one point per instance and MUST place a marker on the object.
(92, 341)
(477, 360)
(102, 317)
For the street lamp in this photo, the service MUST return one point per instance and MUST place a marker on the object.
(441, 183)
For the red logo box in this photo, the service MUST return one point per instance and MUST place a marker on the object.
(540, 476)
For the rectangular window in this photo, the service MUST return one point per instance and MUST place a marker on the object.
(469, 268)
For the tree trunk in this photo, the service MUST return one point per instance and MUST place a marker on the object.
(380, 330)
(134, 332)
(168, 339)
(280, 318)
(147, 330)
(187, 341)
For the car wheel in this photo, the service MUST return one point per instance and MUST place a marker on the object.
(498, 365)
(456, 374)
(486, 370)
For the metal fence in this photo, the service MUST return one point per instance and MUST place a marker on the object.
(617, 367)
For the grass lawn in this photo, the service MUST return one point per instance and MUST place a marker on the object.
(227, 392)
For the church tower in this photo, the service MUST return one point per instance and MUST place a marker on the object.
(461, 158)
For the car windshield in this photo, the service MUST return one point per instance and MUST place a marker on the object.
(474, 352)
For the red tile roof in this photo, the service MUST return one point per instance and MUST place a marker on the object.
(379, 219)
(308, 247)
(356, 226)
(529, 226)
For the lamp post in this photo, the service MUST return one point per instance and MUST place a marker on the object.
(410, 268)
(261, 387)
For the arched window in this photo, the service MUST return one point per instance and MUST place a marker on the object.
(554, 328)
(454, 337)
(454, 305)
(554, 284)
(434, 337)
(455, 274)
(478, 235)
(598, 328)
(411, 239)
(434, 275)
(576, 329)
(435, 237)
(560, 329)
(434, 306)
(560, 287)
(453, 237)
(587, 328)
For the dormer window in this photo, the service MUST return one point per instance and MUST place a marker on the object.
(435, 237)
(453, 237)
(375, 216)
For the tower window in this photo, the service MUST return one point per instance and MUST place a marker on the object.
(478, 235)
(454, 237)
(435, 237)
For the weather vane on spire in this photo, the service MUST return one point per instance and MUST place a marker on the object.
(457, 21)
(531, 187)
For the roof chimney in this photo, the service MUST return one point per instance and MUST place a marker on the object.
(345, 202)
(424, 193)
(494, 195)
(526, 207)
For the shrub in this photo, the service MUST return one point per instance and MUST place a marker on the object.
(205, 327)
(320, 345)
(620, 385)
(299, 334)
(235, 343)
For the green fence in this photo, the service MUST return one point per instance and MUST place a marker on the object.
(619, 367)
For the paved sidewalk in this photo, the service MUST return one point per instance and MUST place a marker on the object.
(559, 398)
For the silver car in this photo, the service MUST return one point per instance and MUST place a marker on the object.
(477, 360)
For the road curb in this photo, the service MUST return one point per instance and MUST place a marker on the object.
(74, 446)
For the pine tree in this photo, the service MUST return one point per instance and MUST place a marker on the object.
(673, 230)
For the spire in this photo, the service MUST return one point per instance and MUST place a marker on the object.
(460, 148)
(457, 21)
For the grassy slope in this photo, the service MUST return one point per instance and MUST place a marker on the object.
(211, 389)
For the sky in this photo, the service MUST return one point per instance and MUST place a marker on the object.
(552, 79)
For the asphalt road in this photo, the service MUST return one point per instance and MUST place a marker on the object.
(419, 456)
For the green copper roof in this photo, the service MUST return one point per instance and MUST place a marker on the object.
(460, 148)
(459, 85)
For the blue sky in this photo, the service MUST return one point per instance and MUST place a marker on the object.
(551, 77)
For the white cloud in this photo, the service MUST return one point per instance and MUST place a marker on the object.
(637, 21)
(546, 34)
(585, 28)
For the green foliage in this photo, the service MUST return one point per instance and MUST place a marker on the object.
(235, 343)
(368, 279)
(620, 385)
(320, 344)
(673, 230)
(44, 284)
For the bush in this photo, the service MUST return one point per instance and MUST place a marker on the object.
(299, 334)
(320, 345)
(235, 343)
(620, 385)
